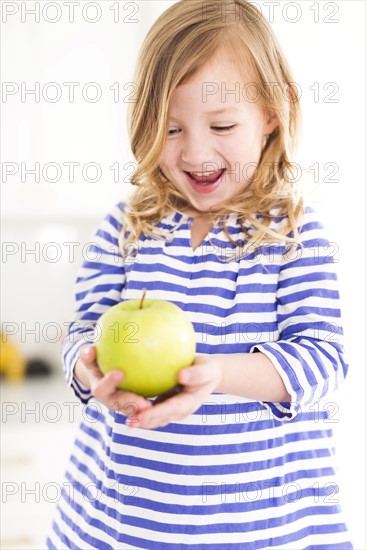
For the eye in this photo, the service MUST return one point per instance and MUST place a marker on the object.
(223, 128)
(172, 131)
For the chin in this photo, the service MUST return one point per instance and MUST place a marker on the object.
(213, 207)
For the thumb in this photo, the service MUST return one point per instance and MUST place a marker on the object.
(88, 353)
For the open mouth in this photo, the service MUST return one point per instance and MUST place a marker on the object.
(205, 178)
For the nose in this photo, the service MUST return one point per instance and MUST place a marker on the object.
(197, 153)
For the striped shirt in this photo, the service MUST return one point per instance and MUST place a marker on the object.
(237, 474)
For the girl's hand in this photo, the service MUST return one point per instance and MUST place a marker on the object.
(103, 387)
(199, 380)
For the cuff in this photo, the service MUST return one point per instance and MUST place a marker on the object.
(82, 392)
(283, 410)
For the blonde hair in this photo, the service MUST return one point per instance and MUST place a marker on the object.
(180, 42)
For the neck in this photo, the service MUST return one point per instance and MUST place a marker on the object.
(196, 214)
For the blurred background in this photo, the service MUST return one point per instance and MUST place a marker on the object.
(67, 79)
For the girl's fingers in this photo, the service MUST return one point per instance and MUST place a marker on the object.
(197, 375)
(129, 403)
(175, 408)
(199, 381)
(103, 386)
(88, 353)
(206, 370)
(168, 394)
(126, 403)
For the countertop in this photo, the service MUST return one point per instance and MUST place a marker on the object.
(39, 422)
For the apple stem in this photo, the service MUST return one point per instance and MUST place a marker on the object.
(143, 298)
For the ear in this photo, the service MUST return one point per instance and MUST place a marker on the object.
(270, 122)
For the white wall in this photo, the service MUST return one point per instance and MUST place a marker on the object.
(326, 52)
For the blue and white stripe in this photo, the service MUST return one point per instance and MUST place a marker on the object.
(237, 474)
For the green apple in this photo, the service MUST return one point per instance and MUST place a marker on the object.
(149, 340)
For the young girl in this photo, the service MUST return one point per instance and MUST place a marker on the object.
(242, 458)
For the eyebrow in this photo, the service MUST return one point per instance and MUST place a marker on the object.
(218, 111)
(222, 110)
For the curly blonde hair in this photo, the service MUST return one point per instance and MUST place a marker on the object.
(180, 42)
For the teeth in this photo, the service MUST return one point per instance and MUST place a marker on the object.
(203, 173)
(206, 178)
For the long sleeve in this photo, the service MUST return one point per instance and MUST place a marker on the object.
(309, 353)
(98, 287)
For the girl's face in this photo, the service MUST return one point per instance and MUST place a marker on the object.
(215, 135)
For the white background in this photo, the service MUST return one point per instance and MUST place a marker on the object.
(324, 43)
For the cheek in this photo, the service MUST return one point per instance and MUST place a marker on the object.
(167, 157)
(248, 170)
(163, 158)
(245, 155)
(244, 161)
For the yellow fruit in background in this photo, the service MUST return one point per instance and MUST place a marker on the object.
(12, 363)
